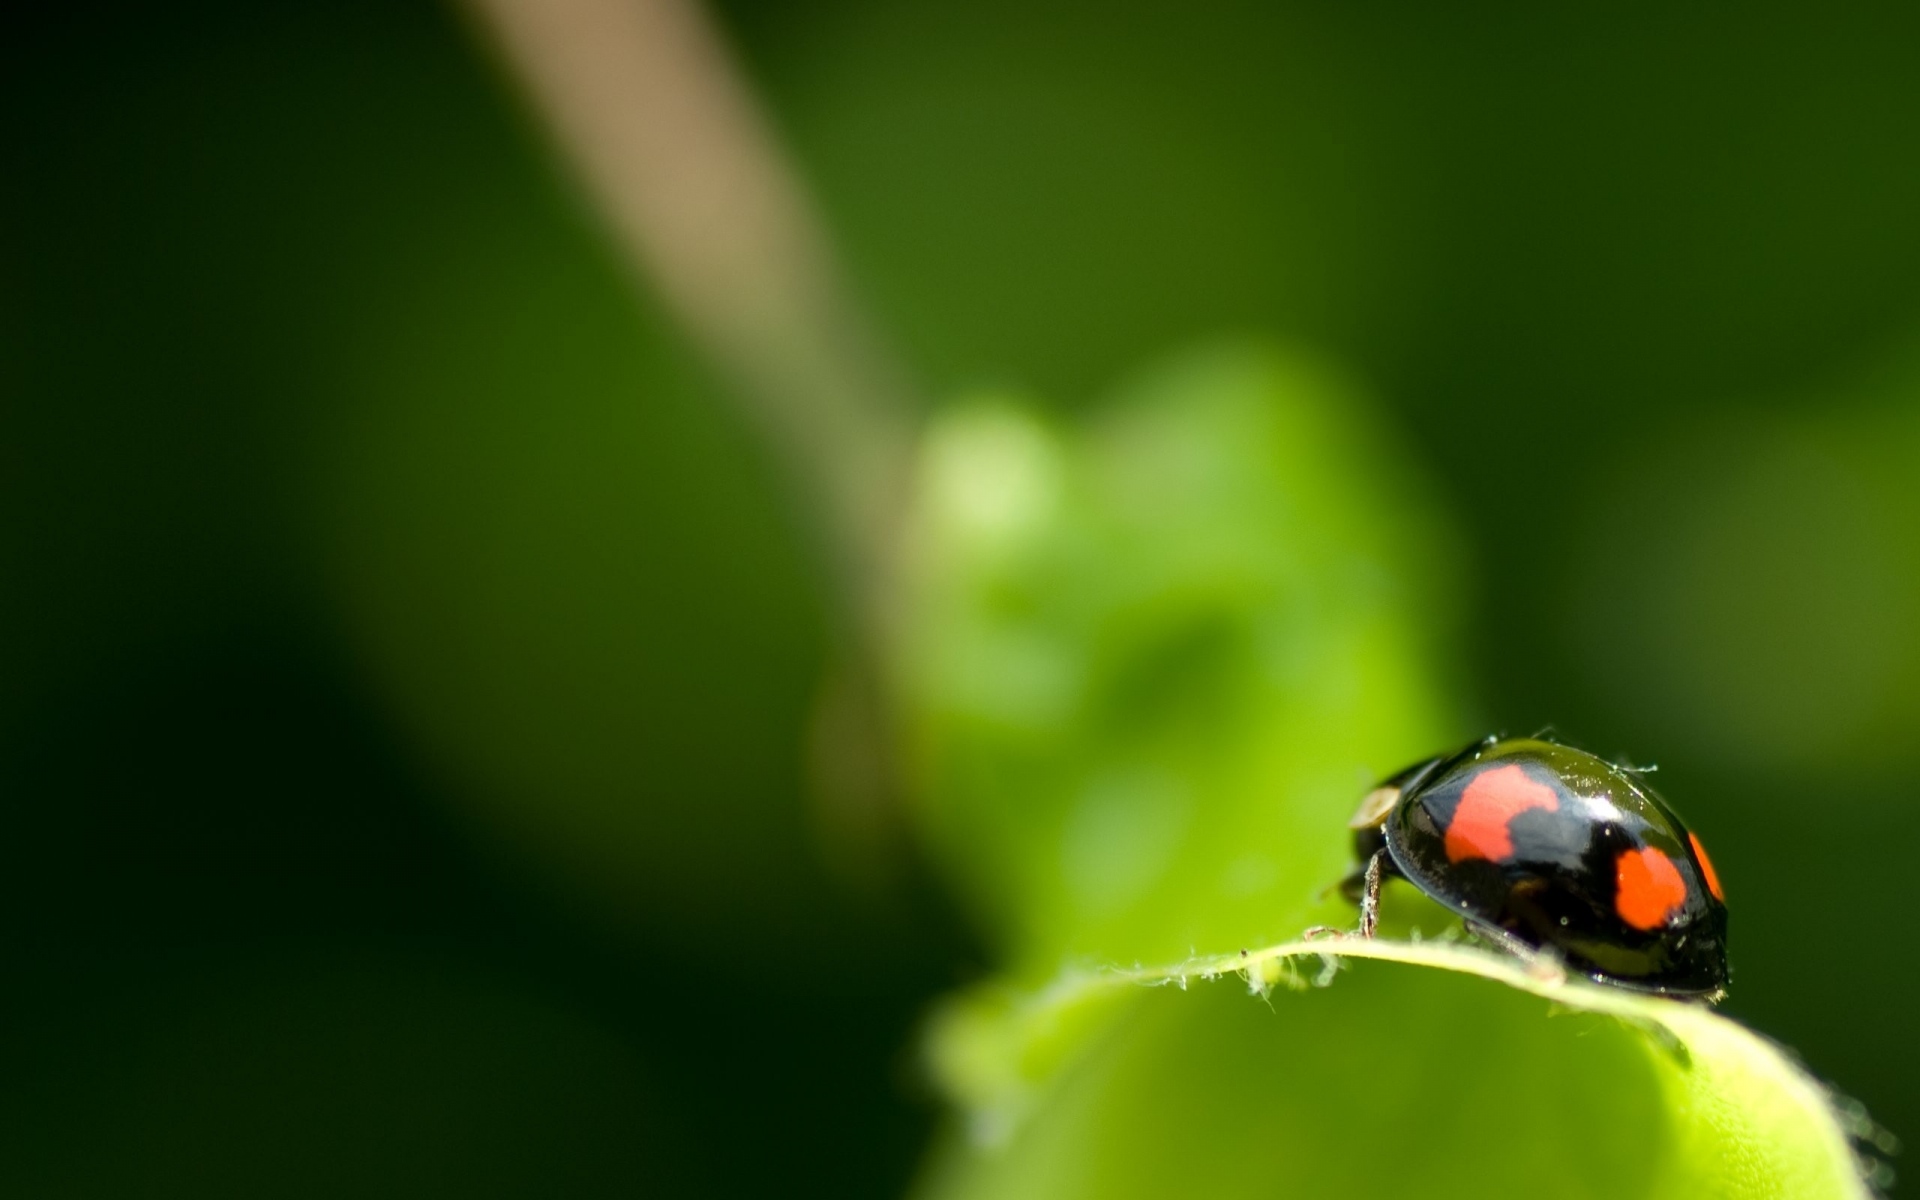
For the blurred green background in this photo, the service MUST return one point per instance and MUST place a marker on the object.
(405, 654)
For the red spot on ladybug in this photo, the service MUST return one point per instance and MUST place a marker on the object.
(1648, 888)
(1706, 868)
(1494, 798)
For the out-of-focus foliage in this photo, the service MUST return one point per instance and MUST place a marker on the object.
(325, 882)
(1155, 654)
(543, 615)
(1555, 217)
(1769, 613)
(358, 1055)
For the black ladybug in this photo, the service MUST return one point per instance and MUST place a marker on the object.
(1544, 847)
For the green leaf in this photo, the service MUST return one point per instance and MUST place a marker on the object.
(1433, 1070)
(1153, 657)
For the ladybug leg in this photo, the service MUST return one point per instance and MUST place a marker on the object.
(1370, 894)
(1368, 844)
(1361, 888)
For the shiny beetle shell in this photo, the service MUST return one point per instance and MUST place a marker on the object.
(1562, 851)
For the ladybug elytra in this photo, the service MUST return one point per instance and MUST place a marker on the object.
(1544, 848)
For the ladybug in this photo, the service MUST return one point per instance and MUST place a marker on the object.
(1545, 849)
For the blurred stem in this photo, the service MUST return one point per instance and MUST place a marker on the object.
(645, 100)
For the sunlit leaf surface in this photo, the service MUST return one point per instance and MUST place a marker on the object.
(1428, 1070)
